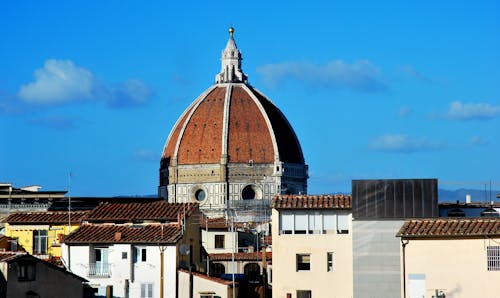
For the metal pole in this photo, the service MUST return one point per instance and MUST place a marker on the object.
(69, 203)
(403, 245)
(162, 266)
(190, 270)
(232, 252)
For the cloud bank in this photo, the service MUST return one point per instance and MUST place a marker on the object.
(401, 143)
(62, 82)
(359, 76)
(472, 111)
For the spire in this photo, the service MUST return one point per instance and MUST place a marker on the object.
(231, 63)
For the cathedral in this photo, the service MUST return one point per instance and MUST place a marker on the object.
(231, 144)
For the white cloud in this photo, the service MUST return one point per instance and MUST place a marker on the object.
(58, 81)
(480, 111)
(359, 76)
(402, 143)
(62, 81)
(132, 92)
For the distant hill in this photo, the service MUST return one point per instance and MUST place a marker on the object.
(477, 195)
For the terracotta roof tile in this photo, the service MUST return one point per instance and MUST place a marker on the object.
(214, 223)
(45, 217)
(212, 278)
(450, 227)
(338, 201)
(129, 212)
(154, 233)
(240, 256)
(9, 255)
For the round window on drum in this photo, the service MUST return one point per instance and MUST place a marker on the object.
(200, 195)
(248, 193)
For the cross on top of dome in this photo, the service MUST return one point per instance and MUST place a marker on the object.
(231, 63)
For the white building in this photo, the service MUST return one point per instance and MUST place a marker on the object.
(131, 248)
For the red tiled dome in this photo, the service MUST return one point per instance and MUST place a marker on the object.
(234, 120)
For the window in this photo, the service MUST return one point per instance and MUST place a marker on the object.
(248, 193)
(217, 269)
(124, 255)
(100, 265)
(329, 261)
(303, 262)
(140, 254)
(343, 224)
(219, 241)
(301, 221)
(313, 222)
(200, 195)
(304, 294)
(13, 244)
(25, 271)
(493, 253)
(252, 272)
(40, 241)
(329, 223)
(286, 223)
(147, 290)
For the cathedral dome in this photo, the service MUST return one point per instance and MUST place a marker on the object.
(233, 121)
(227, 133)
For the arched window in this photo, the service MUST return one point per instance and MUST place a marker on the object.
(252, 271)
(217, 269)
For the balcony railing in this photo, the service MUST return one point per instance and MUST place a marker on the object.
(99, 270)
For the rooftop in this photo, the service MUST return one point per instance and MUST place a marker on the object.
(107, 234)
(240, 256)
(212, 278)
(450, 228)
(45, 217)
(134, 211)
(337, 201)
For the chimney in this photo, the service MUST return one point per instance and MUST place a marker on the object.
(118, 236)
(467, 199)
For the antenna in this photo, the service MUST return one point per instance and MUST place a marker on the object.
(69, 201)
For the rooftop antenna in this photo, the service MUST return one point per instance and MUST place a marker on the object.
(69, 201)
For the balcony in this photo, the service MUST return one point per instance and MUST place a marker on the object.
(99, 270)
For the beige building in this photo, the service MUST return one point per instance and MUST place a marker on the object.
(312, 246)
(451, 257)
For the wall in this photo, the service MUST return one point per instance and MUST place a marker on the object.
(48, 282)
(24, 233)
(322, 283)
(143, 272)
(458, 267)
(208, 240)
(376, 258)
(203, 285)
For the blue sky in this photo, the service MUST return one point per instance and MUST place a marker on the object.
(373, 89)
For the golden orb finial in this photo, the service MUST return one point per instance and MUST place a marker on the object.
(231, 31)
